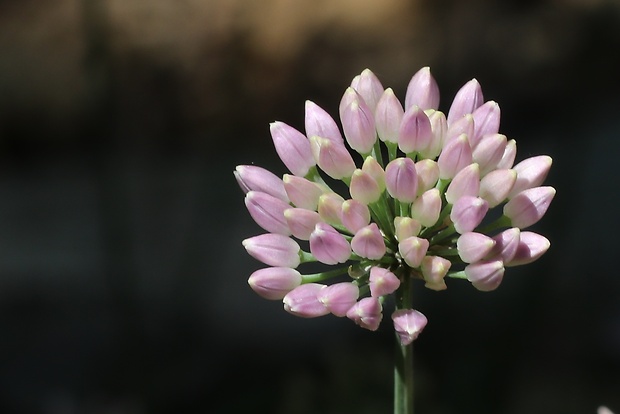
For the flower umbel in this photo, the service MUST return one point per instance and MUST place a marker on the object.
(430, 197)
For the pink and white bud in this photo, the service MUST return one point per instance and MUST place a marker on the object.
(408, 324)
(489, 152)
(467, 213)
(422, 90)
(303, 301)
(406, 227)
(374, 169)
(428, 174)
(366, 313)
(439, 126)
(254, 178)
(412, 250)
(401, 179)
(485, 275)
(330, 208)
(496, 185)
(473, 247)
(355, 215)
(369, 87)
(319, 123)
(273, 249)
(292, 147)
(328, 246)
(274, 283)
(531, 172)
(364, 188)
(486, 121)
(531, 247)
(529, 206)
(382, 282)
(358, 124)
(510, 153)
(506, 245)
(465, 126)
(415, 133)
(465, 183)
(434, 270)
(427, 208)
(388, 117)
(268, 212)
(332, 157)
(466, 101)
(301, 222)
(339, 297)
(456, 155)
(301, 192)
(368, 242)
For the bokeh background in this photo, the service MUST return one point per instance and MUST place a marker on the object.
(123, 283)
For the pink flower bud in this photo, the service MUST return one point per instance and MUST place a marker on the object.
(273, 249)
(388, 116)
(253, 178)
(358, 124)
(415, 133)
(422, 90)
(303, 301)
(485, 275)
(531, 247)
(486, 121)
(466, 101)
(330, 208)
(339, 297)
(268, 212)
(473, 247)
(408, 324)
(292, 147)
(413, 249)
(510, 153)
(462, 126)
(506, 245)
(467, 213)
(531, 172)
(406, 227)
(496, 185)
(328, 246)
(369, 87)
(529, 206)
(301, 192)
(366, 313)
(319, 123)
(355, 215)
(301, 222)
(428, 174)
(274, 283)
(364, 188)
(489, 152)
(382, 281)
(456, 155)
(465, 183)
(434, 269)
(368, 242)
(333, 158)
(427, 208)
(372, 167)
(401, 179)
(439, 126)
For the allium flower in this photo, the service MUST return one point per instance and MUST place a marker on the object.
(427, 197)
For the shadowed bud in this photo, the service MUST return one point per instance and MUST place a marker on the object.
(319, 123)
(268, 212)
(273, 249)
(467, 213)
(292, 147)
(412, 250)
(274, 283)
(531, 172)
(510, 153)
(382, 281)
(366, 313)
(303, 302)
(301, 192)
(506, 245)
(369, 87)
(330, 207)
(427, 208)
(531, 247)
(466, 101)
(328, 246)
(465, 125)
(434, 269)
(388, 116)
(486, 121)
(332, 158)
(529, 206)
(368, 242)
(422, 90)
(428, 174)
(489, 152)
(301, 222)
(496, 185)
(401, 179)
(372, 167)
(439, 126)
(408, 324)
(364, 188)
(485, 275)
(253, 178)
(473, 247)
(358, 124)
(339, 297)
(456, 155)
(415, 133)
(355, 215)
(465, 183)
(406, 227)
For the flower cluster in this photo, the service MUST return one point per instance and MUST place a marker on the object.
(422, 191)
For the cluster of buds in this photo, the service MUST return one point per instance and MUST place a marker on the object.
(422, 189)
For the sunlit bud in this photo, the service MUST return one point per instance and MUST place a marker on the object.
(415, 132)
(366, 313)
(401, 179)
(408, 324)
(303, 301)
(466, 100)
(496, 185)
(464, 125)
(273, 249)
(274, 283)
(465, 183)
(412, 250)
(328, 246)
(427, 208)
(292, 147)
(330, 207)
(485, 275)
(473, 246)
(456, 155)
(382, 281)
(364, 188)
(339, 297)
(467, 213)
(510, 153)
(331, 157)
(506, 245)
(358, 124)
(428, 174)
(372, 167)
(254, 178)
(268, 212)
(406, 227)
(531, 247)
(319, 123)
(489, 152)
(368, 242)
(486, 121)
(422, 90)
(388, 116)
(355, 215)
(434, 269)
(529, 206)
(303, 193)
(531, 172)
(439, 126)
(301, 222)
(369, 87)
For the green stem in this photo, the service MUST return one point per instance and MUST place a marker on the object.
(403, 364)
(318, 277)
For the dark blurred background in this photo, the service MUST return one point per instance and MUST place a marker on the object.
(123, 282)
